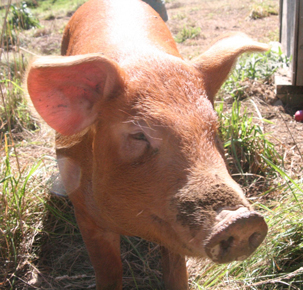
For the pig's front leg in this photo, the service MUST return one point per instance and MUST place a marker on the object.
(174, 270)
(104, 252)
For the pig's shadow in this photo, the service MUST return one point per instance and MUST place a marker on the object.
(63, 261)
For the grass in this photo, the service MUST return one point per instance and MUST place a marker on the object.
(56, 8)
(246, 142)
(21, 213)
(244, 139)
(257, 66)
(14, 112)
(187, 32)
(21, 17)
(264, 9)
(277, 263)
(179, 16)
(40, 244)
(17, 17)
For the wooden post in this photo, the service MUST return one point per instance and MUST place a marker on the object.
(289, 84)
(299, 45)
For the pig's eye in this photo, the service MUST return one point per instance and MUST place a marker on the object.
(139, 136)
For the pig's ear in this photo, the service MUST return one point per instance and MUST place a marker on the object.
(67, 90)
(216, 63)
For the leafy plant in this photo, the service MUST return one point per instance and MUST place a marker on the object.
(21, 17)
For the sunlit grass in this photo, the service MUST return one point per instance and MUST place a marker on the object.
(277, 262)
(246, 141)
(56, 8)
(264, 9)
(22, 209)
(187, 32)
(259, 66)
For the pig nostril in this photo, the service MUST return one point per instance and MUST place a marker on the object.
(237, 236)
(227, 244)
(255, 239)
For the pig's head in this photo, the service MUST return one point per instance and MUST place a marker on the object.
(139, 143)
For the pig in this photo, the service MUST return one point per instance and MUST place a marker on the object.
(137, 140)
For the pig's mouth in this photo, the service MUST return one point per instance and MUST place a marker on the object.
(218, 223)
(236, 235)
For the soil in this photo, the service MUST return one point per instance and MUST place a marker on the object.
(215, 18)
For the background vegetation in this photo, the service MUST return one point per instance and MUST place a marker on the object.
(40, 244)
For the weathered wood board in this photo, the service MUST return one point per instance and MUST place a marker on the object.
(290, 88)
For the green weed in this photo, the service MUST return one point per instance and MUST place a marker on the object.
(56, 8)
(17, 17)
(260, 66)
(277, 263)
(21, 211)
(14, 112)
(245, 141)
(263, 9)
(194, 9)
(187, 33)
(179, 16)
(21, 17)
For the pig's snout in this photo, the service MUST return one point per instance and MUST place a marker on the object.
(236, 236)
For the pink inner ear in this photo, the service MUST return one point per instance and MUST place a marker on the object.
(65, 96)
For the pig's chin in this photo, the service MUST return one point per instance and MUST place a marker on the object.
(177, 238)
(193, 246)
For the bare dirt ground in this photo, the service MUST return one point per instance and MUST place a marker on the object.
(216, 18)
(63, 263)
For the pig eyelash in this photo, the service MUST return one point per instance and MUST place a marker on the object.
(140, 136)
(145, 133)
(137, 124)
